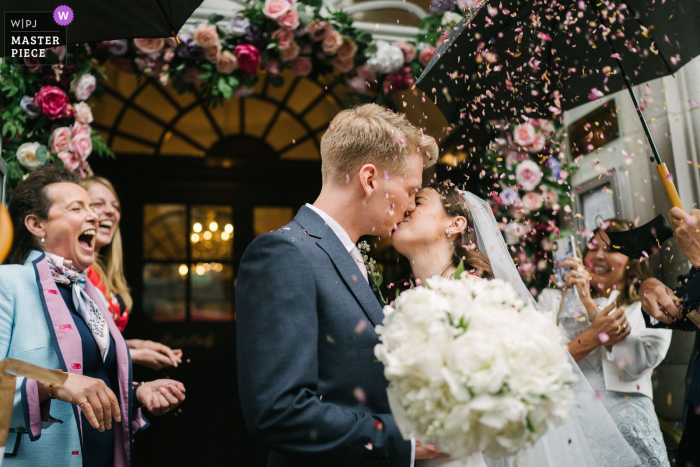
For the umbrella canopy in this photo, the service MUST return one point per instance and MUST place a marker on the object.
(540, 57)
(98, 20)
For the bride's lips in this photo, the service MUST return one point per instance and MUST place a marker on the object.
(86, 240)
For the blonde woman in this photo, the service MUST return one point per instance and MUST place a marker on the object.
(107, 274)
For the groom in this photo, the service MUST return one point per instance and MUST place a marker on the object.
(311, 388)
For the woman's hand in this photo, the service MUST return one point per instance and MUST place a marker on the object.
(153, 355)
(608, 328)
(581, 278)
(95, 399)
(161, 396)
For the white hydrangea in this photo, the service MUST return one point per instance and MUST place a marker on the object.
(450, 18)
(388, 58)
(472, 368)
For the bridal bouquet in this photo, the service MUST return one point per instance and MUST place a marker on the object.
(472, 368)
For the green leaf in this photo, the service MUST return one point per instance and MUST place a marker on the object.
(225, 89)
(42, 154)
(51, 57)
(460, 270)
(57, 162)
(215, 18)
(273, 45)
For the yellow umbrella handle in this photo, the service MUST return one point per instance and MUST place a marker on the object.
(669, 186)
(5, 232)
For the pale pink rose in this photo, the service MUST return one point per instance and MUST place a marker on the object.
(284, 36)
(524, 135)
(526, 271)
(168, 55)
(272, 66)
(34, 64)
(514, 157)
(409, 51)
(358, 84)
(348, 49)
(518, 211)
(301, 66)
(60, 52)
(81, 146)
(205, 36)
(70, 161)
(332, 42)
(226, 63)
(83, 87)
(528, 175)
(290, 20)
(366, 72)
(212, 53)
(290, 53)
(538, 144)
(532, 200)
(149, 46)
(83, 113)
(318, 30)
(165, 79)
(343, 64)
(81, 129)
(426, 55)
(551, 198)
(60, 139)
(275, 9)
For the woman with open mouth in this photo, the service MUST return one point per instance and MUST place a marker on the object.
(107, 274)
(52, 316)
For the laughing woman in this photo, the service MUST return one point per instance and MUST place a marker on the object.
(52, 316)
(107, 274)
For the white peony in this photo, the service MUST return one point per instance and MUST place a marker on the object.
(472, 368)
(450, 18)
(513, 232)
(26, 155)
(388, 58)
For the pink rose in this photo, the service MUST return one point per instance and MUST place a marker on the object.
(284, 36)
(60, 139)
(81, 129)
(70, 161)
(524, 134)
(442, 38)
(528, 175)
(301, 66)
(272, 66)
(248, 57)
(532, 201)
(526, 270)
(344, 64)
(348, 49)
(275, 9)
(318, 30)
(83, 113)
(289, 20)
(226, 63)
(51, 101)
(149, 46)
(83, 87)
(60, 52)
(409, 51)
(212, 53)
(332, 42)
(81, 146)
(191, 75)
(551, 198)
(426, 55)
(366, 72)
(290, 53)
(34, 64)
(514, 157)
(358, 84)
(538, 144)
(205, 36)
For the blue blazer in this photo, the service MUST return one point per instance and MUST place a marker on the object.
(37, 327)
(311, 388)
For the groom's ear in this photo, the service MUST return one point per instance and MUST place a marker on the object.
(369, 178)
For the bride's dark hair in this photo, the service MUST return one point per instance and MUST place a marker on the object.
(465, 244)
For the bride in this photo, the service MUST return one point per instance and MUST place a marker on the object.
(449, 226)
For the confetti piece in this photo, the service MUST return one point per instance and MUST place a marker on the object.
(603, 337)
(360, 396)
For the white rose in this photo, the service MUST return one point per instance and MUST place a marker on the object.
(388, 58)
(513, 232)
(451, 18)
(26, 155)
(83, 87)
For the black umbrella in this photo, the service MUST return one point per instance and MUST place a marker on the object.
(537, 58)
(98, 20)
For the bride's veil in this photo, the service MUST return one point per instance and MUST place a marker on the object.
(589, 438)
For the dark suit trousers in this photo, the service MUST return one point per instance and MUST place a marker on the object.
(688, 454)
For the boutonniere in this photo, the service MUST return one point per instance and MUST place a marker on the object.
(373, 270)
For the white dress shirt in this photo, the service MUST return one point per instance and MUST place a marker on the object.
(349, 245)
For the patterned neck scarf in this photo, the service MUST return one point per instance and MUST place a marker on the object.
(63, 272)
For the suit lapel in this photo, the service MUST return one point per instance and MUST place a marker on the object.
(315, 226)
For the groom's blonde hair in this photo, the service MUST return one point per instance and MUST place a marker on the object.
(372, 134)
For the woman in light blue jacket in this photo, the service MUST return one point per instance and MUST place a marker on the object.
(51, 316)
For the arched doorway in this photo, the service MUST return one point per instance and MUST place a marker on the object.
(197, 185)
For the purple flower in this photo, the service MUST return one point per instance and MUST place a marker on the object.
(239, 26)
(29, 106)
(441, 6)
(554, 164)
(119, 47)
(510, 196)
(191, 51)
(254, 37)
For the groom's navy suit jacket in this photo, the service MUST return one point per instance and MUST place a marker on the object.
(311, 388)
